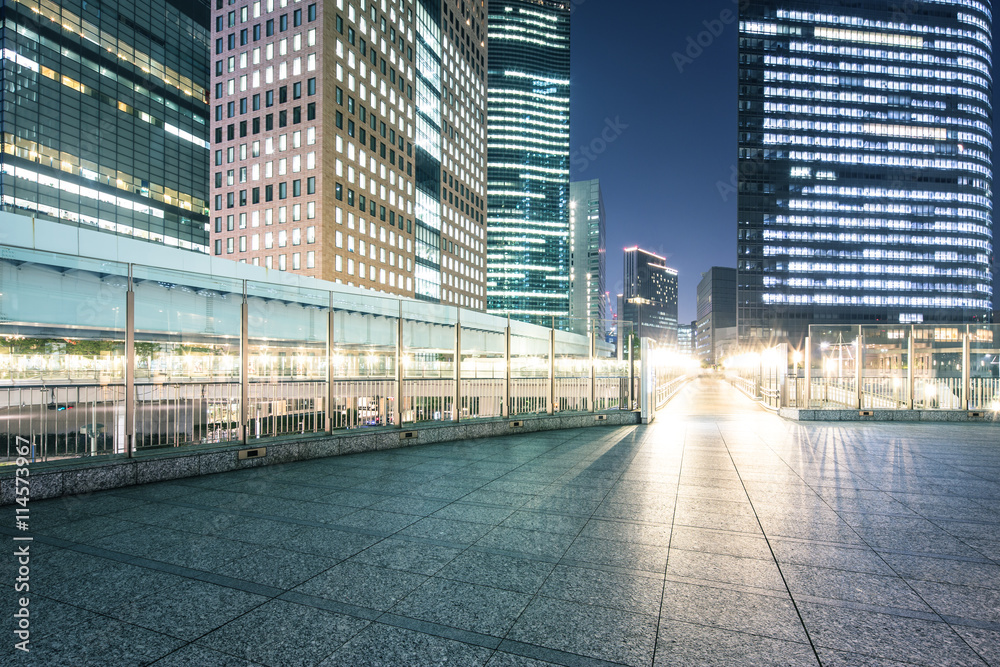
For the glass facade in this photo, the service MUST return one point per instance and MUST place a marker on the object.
(650, 298)
(587, 255)
(105, 116)
(528, 244)
(427, 275)
(865, 165)
(716, 313)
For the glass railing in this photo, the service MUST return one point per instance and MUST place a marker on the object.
(100, 357)
(879, 367)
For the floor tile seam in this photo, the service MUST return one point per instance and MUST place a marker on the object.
(890, 567)
(288, 520)
(774, 556)
(670, 541)
(168, 568)
(927, 614)
(629, 434)
(727, 587)
(547, 654)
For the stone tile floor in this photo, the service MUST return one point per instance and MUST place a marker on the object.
(719, 535)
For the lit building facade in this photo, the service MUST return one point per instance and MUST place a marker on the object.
(649, 303)
(716, 324)
(865, 164)
(350, 145)
(528, 264)
(685, 338)
(588, 300)
(105, 116)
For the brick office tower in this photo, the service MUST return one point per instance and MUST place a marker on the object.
(349, 142)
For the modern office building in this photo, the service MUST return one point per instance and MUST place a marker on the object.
(588, 303)
(649, 303)
(528, 244)
(349, 143)
(685, 338)
(105, 116)
(716, 334)
(865, 164)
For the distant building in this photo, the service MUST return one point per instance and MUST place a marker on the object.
(587, 305)
(717, 311)
(865, 164)
(685, 338)
(528, 240)
(105, 116)
(649, 301)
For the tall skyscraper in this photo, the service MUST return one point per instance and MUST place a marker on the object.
(105, 116)
(716, 332)
(865, 164)
(350, 143)
(588, 301)
(528, 203)
(649, 303)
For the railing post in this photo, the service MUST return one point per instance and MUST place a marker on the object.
(244, 366)
(631, 374)
(859, 367)
(550, 408)
(807, 360)
(909, 370)
(966, 370)
(593, 372)
(505, 406)
(129, 444)
(397, 418)
(457, 394)
(329, 366)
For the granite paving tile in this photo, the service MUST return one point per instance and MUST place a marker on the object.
(284, 633)
(498, 571)
(681, 644)
(886, 636)
(362, 585)
(381, 645)
(608, 634)
(481, 609)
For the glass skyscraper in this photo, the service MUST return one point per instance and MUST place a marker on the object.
(587, 255)
(105, 116)
(865, 164)
(648, 306)
(528, 245)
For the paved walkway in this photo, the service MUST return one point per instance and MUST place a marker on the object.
(720, 535)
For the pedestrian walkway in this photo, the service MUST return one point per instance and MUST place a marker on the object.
(718, 535)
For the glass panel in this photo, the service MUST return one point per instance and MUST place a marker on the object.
(884, 364)
(833, 350)
(363, 360)
(937, 367)
(187, 358)
(287, 331)
(62, 355)
(984, 367)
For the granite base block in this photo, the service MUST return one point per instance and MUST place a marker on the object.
(161, 470)
(954, 416)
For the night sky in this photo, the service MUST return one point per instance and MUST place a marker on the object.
(660, 177)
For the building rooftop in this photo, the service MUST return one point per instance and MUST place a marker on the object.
(720, 534)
